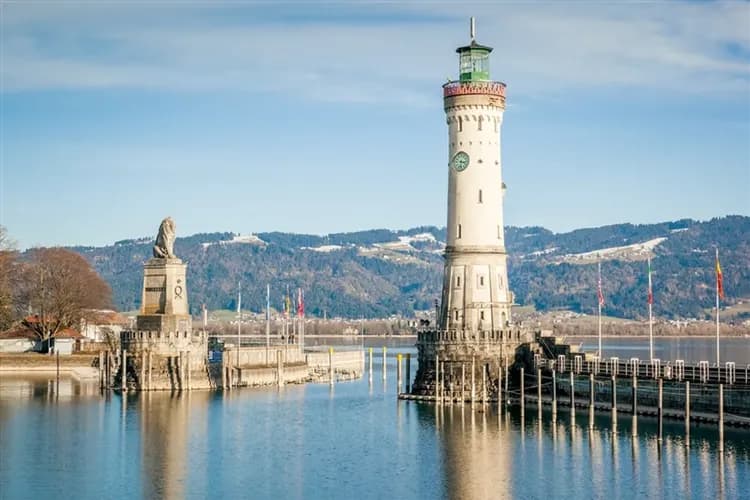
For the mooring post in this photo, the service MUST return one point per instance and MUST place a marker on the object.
(399, 380)
(592, 399)
(371, 365)
(463, 382)
(523, 394)
(572, 395)
(499, 386)
(101, 369)
(687, 412)
(554, 393)
(330, 365)
(124, 381)
(539, 391)
(660, 409)
(408, 372)
(473, 372)
(188, 374)
(721, 418)
(635, 394)
(484, 383)
(279, 368)
(437, 378)
(150, 369)
(614, 393)
(384, 362)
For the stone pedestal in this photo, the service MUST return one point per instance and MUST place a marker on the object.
(164, 332)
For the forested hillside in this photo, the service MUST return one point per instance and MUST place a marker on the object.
(381, 272)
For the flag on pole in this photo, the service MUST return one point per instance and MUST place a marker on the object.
(599, 287)
(719, 277)
(300, 303)
(650, 290)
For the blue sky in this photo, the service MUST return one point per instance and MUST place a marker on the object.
(327, 117)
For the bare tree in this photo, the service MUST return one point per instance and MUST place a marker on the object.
(7, 261)
(58, 286)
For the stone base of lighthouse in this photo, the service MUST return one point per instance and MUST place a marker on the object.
(461, 366)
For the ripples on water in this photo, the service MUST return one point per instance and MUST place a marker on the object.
(353, 441)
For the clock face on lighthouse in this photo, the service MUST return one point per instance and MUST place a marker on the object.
(460, 161)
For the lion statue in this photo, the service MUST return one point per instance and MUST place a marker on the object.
(164, 248)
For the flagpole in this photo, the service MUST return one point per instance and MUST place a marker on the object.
(239, 322)
(268, 315)
(718, 278)
(599, 301)
(650, 315)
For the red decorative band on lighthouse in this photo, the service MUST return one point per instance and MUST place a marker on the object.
(451, 89)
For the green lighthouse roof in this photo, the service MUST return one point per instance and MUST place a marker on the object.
(474, 46)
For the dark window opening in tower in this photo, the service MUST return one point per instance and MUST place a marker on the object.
(456, 314)
(479, 125)
(460, 124)
(481, 281)
(480, 196)
(481, 315)
(459, 231)
(458, 281)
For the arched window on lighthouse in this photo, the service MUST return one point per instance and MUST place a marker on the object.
(460, 124)
(458, 231)
(480, 196)
(458, 281)
(479, 124)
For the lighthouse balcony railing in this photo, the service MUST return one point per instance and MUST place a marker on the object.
(455, 88)
(510, 335)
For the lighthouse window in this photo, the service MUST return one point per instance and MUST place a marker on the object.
(460, 124)
(456, 314)
(459, 231)
(481, 281)
(480, 123)
(480, 196)
(458, 281)
(481, 314)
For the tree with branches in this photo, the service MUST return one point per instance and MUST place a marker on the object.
(8, 256)
(60, 288)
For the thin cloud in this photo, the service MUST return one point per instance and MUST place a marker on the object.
(539, 48)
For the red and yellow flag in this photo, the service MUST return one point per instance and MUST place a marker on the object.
(719, 277)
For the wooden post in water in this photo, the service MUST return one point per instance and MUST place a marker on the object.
(124, 363)
(188, 374)
(384, 363)
(539, 392)
(463, 382)
(279, 369)
(614, 403)
(399, 379)
(554, 393)
(635, 394)
(150, 369)
(592, 400)
(721, 418)
(101, 370)
(687, 412)
(660, 410)
(572, 395)
(371, 365)
(408, 372)
(523, 394)
(473, 372)
(142, 379)
(499, 386)
(330, 365)
(484, 383)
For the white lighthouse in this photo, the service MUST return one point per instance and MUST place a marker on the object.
(475, 296)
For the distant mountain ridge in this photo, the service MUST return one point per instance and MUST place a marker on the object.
(381, 272)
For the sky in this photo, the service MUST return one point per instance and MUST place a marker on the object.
(322, 117)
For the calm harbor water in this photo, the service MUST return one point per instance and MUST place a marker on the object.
(355, 440)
